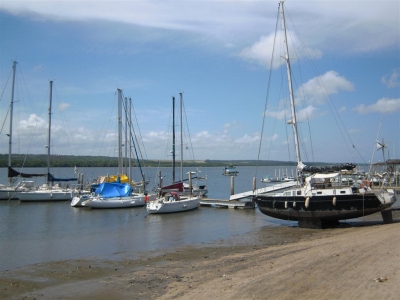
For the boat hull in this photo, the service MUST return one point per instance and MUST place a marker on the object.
(8, 194)
(117, 202)
(160, 206)
(39, 196)
(322, 208)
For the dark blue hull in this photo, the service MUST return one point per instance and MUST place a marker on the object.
(321, 208)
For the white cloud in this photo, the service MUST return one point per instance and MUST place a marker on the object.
(279, 115)
(391, 81)
(318, 88)
(33, 122)
(352, 26)
(383, 105)
(303, 115)
(306, 114)
(261, 52)
(63, 106)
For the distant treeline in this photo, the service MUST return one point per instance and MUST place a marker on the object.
(40, 160)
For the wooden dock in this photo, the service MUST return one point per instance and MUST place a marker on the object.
(220, 203)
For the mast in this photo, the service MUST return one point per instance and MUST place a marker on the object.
(130, 138)
(181, 105)
(293, 120)
(11, 119)
(119, 131)
(173, 139)
(49, 132)
(126, 137)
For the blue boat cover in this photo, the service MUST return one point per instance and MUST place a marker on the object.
(113, 189)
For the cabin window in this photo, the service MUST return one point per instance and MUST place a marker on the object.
(298, 192)
(319, 193)
(343, 192)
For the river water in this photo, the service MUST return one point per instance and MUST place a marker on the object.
(41, 232)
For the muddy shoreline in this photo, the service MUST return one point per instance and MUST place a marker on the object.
(243, 267)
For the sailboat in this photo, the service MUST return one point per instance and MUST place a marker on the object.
(172, 198)
(49, 192)
(316, 202)
(9, 191)
(115, 193)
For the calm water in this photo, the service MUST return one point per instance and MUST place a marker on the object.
(39, 232)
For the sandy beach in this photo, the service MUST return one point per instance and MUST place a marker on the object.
(359, 261)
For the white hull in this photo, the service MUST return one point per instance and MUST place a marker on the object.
(46, 195)
(117, 202)
(8, 194)
(162, 206)
(78, 200)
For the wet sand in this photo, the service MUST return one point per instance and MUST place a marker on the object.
(355, 261)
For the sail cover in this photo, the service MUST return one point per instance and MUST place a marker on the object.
(15, 173)
(113, 189)
(51, 178)
(178, 186)
(331, 168)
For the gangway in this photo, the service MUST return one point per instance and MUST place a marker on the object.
(264, 190)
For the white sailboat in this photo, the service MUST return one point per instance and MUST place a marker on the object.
(48, 192)
(175, 200)
(115, 194)
(316, 201)
(9, 191)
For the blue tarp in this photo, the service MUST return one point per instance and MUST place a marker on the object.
(113, 189)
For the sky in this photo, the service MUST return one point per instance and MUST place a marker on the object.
(222, 55)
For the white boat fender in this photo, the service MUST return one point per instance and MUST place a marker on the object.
(285, 204)
(334, 201)
(294, 203)
(307, 203)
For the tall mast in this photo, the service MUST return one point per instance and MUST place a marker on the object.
(126, 137)
(293, 120)
(49, 131)
(181, 105)
(173, 139)
(119, 131)
(130, 138)
(11, 118)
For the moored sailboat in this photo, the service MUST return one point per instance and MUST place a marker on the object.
(113, 192)
(317, 201)
(173, 198)
(9, 191)
(49, 191)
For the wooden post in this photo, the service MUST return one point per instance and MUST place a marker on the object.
(232, 185)
(159, 182)
(190, 184)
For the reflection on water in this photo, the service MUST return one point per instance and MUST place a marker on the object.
(39, 232)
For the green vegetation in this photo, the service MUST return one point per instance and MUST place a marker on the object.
(40, 160)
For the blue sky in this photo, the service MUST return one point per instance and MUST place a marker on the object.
(218, 53)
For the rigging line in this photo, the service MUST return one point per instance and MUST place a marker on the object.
(5, 86)
(266, 98)
(64, 120)
(5, 118)
(35, 127)
(188, 132)
(373, 151)
(330, 102)
(140, 133)
(301, 96)
(2, 94)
